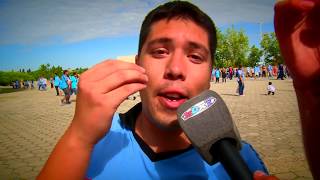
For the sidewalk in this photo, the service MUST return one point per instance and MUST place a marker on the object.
(32, 121)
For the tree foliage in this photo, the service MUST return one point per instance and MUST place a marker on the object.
(45, 70)
(270, 48)
(7, 77)
(254, 56)
(232, 48)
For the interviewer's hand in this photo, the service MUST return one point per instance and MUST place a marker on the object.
(258, 175)
(101, 90)
(298, 30)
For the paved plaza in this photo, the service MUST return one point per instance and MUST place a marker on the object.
(32, 121)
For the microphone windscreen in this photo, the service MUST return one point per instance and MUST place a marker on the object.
(205, 119)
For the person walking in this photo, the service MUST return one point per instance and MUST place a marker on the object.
(74, 83)
(240, 81)
(224, 75)
(217, 74)
(65, 85)
(56, 82)
(230, 73)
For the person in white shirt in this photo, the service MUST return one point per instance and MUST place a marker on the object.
(271, 89)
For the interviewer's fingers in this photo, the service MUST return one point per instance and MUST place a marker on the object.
(259, 175)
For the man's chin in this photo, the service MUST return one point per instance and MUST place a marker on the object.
(169, 125)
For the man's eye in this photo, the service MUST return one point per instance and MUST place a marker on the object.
(159, 52)
(195, 58)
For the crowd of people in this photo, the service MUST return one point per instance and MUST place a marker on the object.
(22, 84)
(65, 85)
(260, 71)
(42, 84)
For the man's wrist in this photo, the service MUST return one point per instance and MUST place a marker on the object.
(78, 139)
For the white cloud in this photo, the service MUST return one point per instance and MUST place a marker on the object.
(225, 12)
(25, 22)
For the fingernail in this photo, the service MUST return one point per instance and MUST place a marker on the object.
(259, 173)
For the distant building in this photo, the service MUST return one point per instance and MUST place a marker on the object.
(129, 58)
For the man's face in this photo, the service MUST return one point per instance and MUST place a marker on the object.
(177, 60)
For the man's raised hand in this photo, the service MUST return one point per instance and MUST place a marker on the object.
(101, 90)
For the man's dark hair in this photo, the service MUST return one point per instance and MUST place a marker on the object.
(179, 9)
(64, 71)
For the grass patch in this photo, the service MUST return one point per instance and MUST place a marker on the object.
(9, 90)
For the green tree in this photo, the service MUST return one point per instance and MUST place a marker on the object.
(221, 56)
(254, 56)
(81, 70)
(7, 77)
(270, 48)
(233, 48)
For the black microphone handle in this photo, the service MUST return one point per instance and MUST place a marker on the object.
(231, 160)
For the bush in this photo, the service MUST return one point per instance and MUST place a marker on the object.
(7, 77)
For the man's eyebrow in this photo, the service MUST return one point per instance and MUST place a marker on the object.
(191, 44)
(195, 45)
(159, 41)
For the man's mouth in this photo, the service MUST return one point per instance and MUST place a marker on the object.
(172, 100)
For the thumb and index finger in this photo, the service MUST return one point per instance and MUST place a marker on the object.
(289, 14)
(297, 30)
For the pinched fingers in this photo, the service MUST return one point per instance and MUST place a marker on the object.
(120, 78)
(108, 67)
(118, 95)
(111, 90)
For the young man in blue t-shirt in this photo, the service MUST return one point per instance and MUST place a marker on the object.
(175, 56)
(176, 49)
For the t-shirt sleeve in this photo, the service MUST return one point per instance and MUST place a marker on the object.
(252, 158)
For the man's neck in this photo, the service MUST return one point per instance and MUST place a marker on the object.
(160, 140)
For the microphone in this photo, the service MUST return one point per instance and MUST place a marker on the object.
(208, 124)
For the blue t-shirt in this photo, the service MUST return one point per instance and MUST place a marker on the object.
(119, 156)
(64, 82)
(257, 69)
(56, 81)
(74, 82)
(217, 73)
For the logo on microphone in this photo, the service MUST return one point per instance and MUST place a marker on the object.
(198, 108)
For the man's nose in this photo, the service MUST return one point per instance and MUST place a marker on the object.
(176, 67)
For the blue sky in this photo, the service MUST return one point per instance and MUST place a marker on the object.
(82, 33)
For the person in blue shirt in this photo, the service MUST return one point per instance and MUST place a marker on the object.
(240, 80)
(65, 85)
(270, 71)
(217, 74)
(56, 82)
(256, 71)
(74, 83)
(175, 55)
